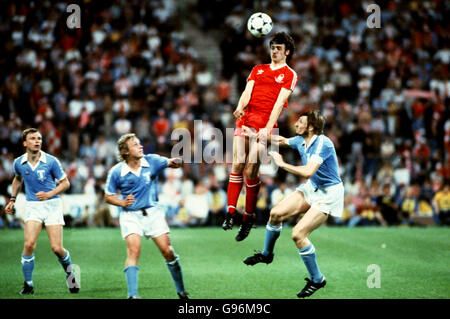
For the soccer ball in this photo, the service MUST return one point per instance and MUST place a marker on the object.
(259, 24)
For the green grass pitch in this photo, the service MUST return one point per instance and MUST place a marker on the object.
(413, 263)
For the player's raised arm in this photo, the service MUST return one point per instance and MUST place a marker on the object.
(244, 99)
(175, 162)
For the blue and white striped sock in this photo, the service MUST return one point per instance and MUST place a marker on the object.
(27, 268)
(272, 234)
(66, 263)
(177, 273)
(308, 255)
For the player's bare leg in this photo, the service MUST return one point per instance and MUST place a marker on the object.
(236, 180)
(131, 269)
(312, 219)
(252, 184)
(32, 230)
(173, 263)
(291, 205)
(55, 236)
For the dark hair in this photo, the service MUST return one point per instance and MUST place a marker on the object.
(28, 131)
(286, 39)
(316, 120)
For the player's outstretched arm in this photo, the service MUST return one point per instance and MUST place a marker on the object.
(306, 171)
(175, 162)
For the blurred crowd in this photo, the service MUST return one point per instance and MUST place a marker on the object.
(384, 92)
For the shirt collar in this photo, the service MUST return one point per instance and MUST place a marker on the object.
(126, 169)
(42, 158)
(313, 138)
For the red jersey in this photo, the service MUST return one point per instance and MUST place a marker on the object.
(268, 84)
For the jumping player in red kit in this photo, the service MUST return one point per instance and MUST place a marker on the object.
(266, 93)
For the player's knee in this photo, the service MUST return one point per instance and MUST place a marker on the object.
(298, 236)
(57, 249)
(276, 216)
(29, 246)
(168, 254)
(134, 252)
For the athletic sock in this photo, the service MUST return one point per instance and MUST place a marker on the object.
(27, 268)
(272, 234)
(308, 255)
(131, 275)
(252, 187)
(177, 274)
(234, 189)
(66, 263)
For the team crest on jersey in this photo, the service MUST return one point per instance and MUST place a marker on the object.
(279, 79)
(40, 173)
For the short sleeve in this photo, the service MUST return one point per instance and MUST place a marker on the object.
(111, 183)
(57, 170)
(294, 141)
(16, 167)
(290, 80)
(252, 75)
(158, 161)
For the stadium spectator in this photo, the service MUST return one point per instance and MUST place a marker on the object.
(441, 204)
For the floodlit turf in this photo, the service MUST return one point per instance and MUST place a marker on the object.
(413, 263)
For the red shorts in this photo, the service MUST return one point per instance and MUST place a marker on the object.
(253, 120)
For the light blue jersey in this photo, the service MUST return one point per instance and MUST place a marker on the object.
(143, 186)
(42, 177)
(322, 151)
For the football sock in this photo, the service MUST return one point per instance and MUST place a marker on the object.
(27, 268)
(177, 274)
(252, 187)
(66, 263)
(272, 234)
(131, 274)
(234, 189)
(308, 255)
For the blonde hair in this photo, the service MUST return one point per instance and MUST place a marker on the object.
(122, 145)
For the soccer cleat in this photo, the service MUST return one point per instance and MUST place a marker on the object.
(27, 289)
(231, 220)
(311, 287)
(244, 230)
(74, 287)
(228, 222)
(258, 258)
(183, 295)
(135, 297)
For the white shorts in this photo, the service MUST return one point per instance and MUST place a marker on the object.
(150, 226)
(329, 200)
(49, 212)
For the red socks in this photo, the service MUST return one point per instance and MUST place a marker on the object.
(252, 191)
(234, 189)
(252, 187)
